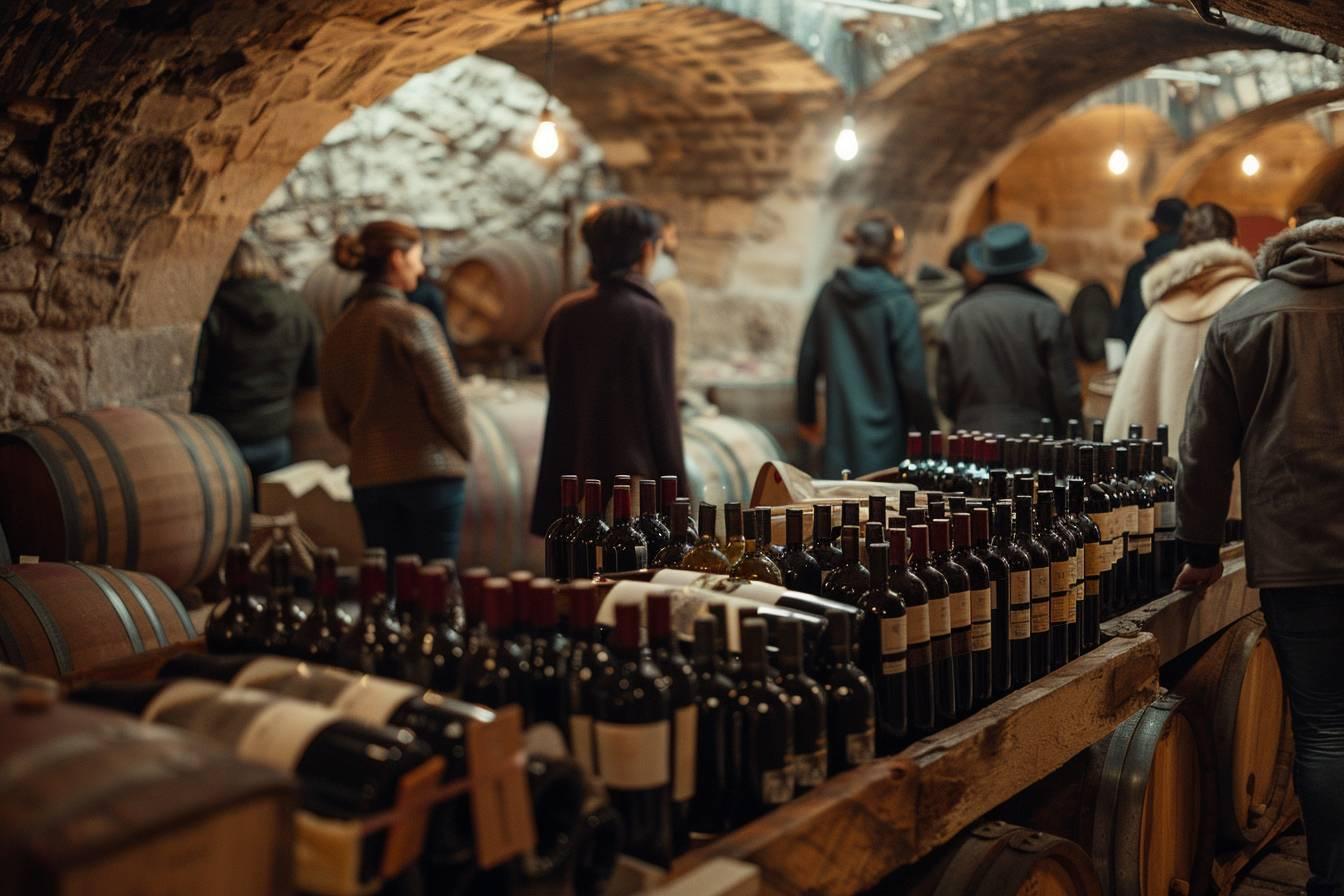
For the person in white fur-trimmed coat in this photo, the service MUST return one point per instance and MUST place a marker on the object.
(1182, 292)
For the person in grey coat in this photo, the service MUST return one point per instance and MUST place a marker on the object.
(1267, 391)
(1005, 356)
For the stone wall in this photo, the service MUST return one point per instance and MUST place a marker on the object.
(451, 151)
(1287, 153)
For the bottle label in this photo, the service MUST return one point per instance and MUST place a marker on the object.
(861, 746)
(1040, 583)
(1073, 602)
(1092, 560)
(760, 592)
(684, 724)
(599, 560)
(581, 743)
(809, 769)
(1132, 519)
(372, 700)
(777, 784)
(959, 607)
(266, 669)
(173, 704)
(633, 757)
(1061, 600)
(1164, 537)
(892, 630)
(940, 618)
(1020, 586)
(917, 624)
(1147, 520)
(281, 733)
(1093, 587)
(1019, 624)
(1165, 516)
(982, 605)
(641, 556)
(997, 595)
(1040, 616)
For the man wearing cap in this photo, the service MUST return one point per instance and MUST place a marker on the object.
(1005, 359)
(1167, 216)
(863, 336)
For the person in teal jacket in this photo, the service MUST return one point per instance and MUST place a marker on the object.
(863, 336)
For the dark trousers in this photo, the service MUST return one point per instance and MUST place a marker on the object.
(423, 517)
(265, 457)
(1306, 627)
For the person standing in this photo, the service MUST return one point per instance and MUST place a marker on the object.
(863, 336)
(1167, 216)
(1267, 392)
(1006, 355)
(609, 353)
(258, 347)
(390, 391)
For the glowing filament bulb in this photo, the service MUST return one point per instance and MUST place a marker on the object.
(847, 142)
(1118, 163)
(546, 141)
(1250, 166)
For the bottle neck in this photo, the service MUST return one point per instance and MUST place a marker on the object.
(569, 496)
(793, 530)
(821, 525)
(592, 500)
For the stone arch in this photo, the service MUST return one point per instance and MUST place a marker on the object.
(1325, 184)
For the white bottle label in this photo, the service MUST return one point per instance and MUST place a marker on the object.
(1020, 587)
(264, 669)
(940, 618)
(180, 694)
(917, 624)
(581, 742)
(633, 757)
(1092, 560)
(892, 635)
(373, 700)
(861, 746)
(280, 734)
(1060, 598)
(981, 602)
(1147, 520)
(1019, 624)
(1166, 515)
(684, 724)
(809, 769)
(760, 592)
(959, 607)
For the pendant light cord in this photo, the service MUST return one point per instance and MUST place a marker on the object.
(550, 15)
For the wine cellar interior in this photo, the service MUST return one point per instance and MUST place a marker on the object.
(716, 447)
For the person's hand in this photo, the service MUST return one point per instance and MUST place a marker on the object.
(1197, 578)
(811, 433)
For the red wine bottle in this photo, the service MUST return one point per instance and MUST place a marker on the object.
(1000, 588)
(801, 570)
(559, 533)
(520, 584)
(345, 769)
(679, 542)
(1040, 585)
(1019, 593)
(823, 548)
(1138, 476)
(676, 668)
(714, 766)
(1132, 496)
(622, 548)
(656, 533)
(959, 611)
(548, 655)
(589, 662)
(495, 671)
(848, 582)
(435, 650)
(282, 616)
(808, 699)
(589, 534)
(365, 641)
(1060, 576)
(405, 609)
(982, 610)
(1124, 582)
(765, 536)
(316, 639)
(940, 626)
(883, 653)
(910, 467)
(765, 731)
(920, 712)
(632, 731)
(1165, 560)
(851, 723)
(1066, 526)
(1090, 620)
(235, 622)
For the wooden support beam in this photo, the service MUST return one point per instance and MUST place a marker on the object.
(858, 827)
(1183, 619)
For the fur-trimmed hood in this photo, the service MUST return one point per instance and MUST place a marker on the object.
(1196, 282)
(1310, 256)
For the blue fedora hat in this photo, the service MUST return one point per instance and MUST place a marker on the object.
(1006, 249)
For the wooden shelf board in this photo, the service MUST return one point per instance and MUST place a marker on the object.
(858, 827)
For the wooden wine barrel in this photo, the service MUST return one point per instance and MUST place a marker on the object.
(139, 489)
(1236, 688)
(998, 859)
(501, 291)
(1140, 802)
(326, 290)
(723, 456)
(60, 619)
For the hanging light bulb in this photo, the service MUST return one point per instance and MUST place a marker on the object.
(1250, 166)
(847, 142)
(1118, 163)
(546, 141)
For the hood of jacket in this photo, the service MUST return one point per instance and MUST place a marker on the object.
(861, 284)
(1196, 282)
(1309, 257)
(257, 304)
(934, 286)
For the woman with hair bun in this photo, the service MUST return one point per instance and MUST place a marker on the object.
(390, 391)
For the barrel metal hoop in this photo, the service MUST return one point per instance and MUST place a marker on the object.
(95, 493)
(128, 497)
(241, 474)
(150, 614)
(194, 421)
(9, 644)
(173, 601)
(118, 605)
(65, 490)
(1134, 780)
(208, 506)
(49, 627)
(744, 484)
(1248, 634)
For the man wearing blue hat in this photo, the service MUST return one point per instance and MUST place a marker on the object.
(1005, 359)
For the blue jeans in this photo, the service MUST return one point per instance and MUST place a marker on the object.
(265, 457)
(1306, 627)
(422, 517)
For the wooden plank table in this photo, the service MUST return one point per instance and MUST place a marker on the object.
(858, 827)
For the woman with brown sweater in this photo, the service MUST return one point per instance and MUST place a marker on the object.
(390, 391)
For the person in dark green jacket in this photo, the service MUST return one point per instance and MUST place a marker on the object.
(863, 336)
